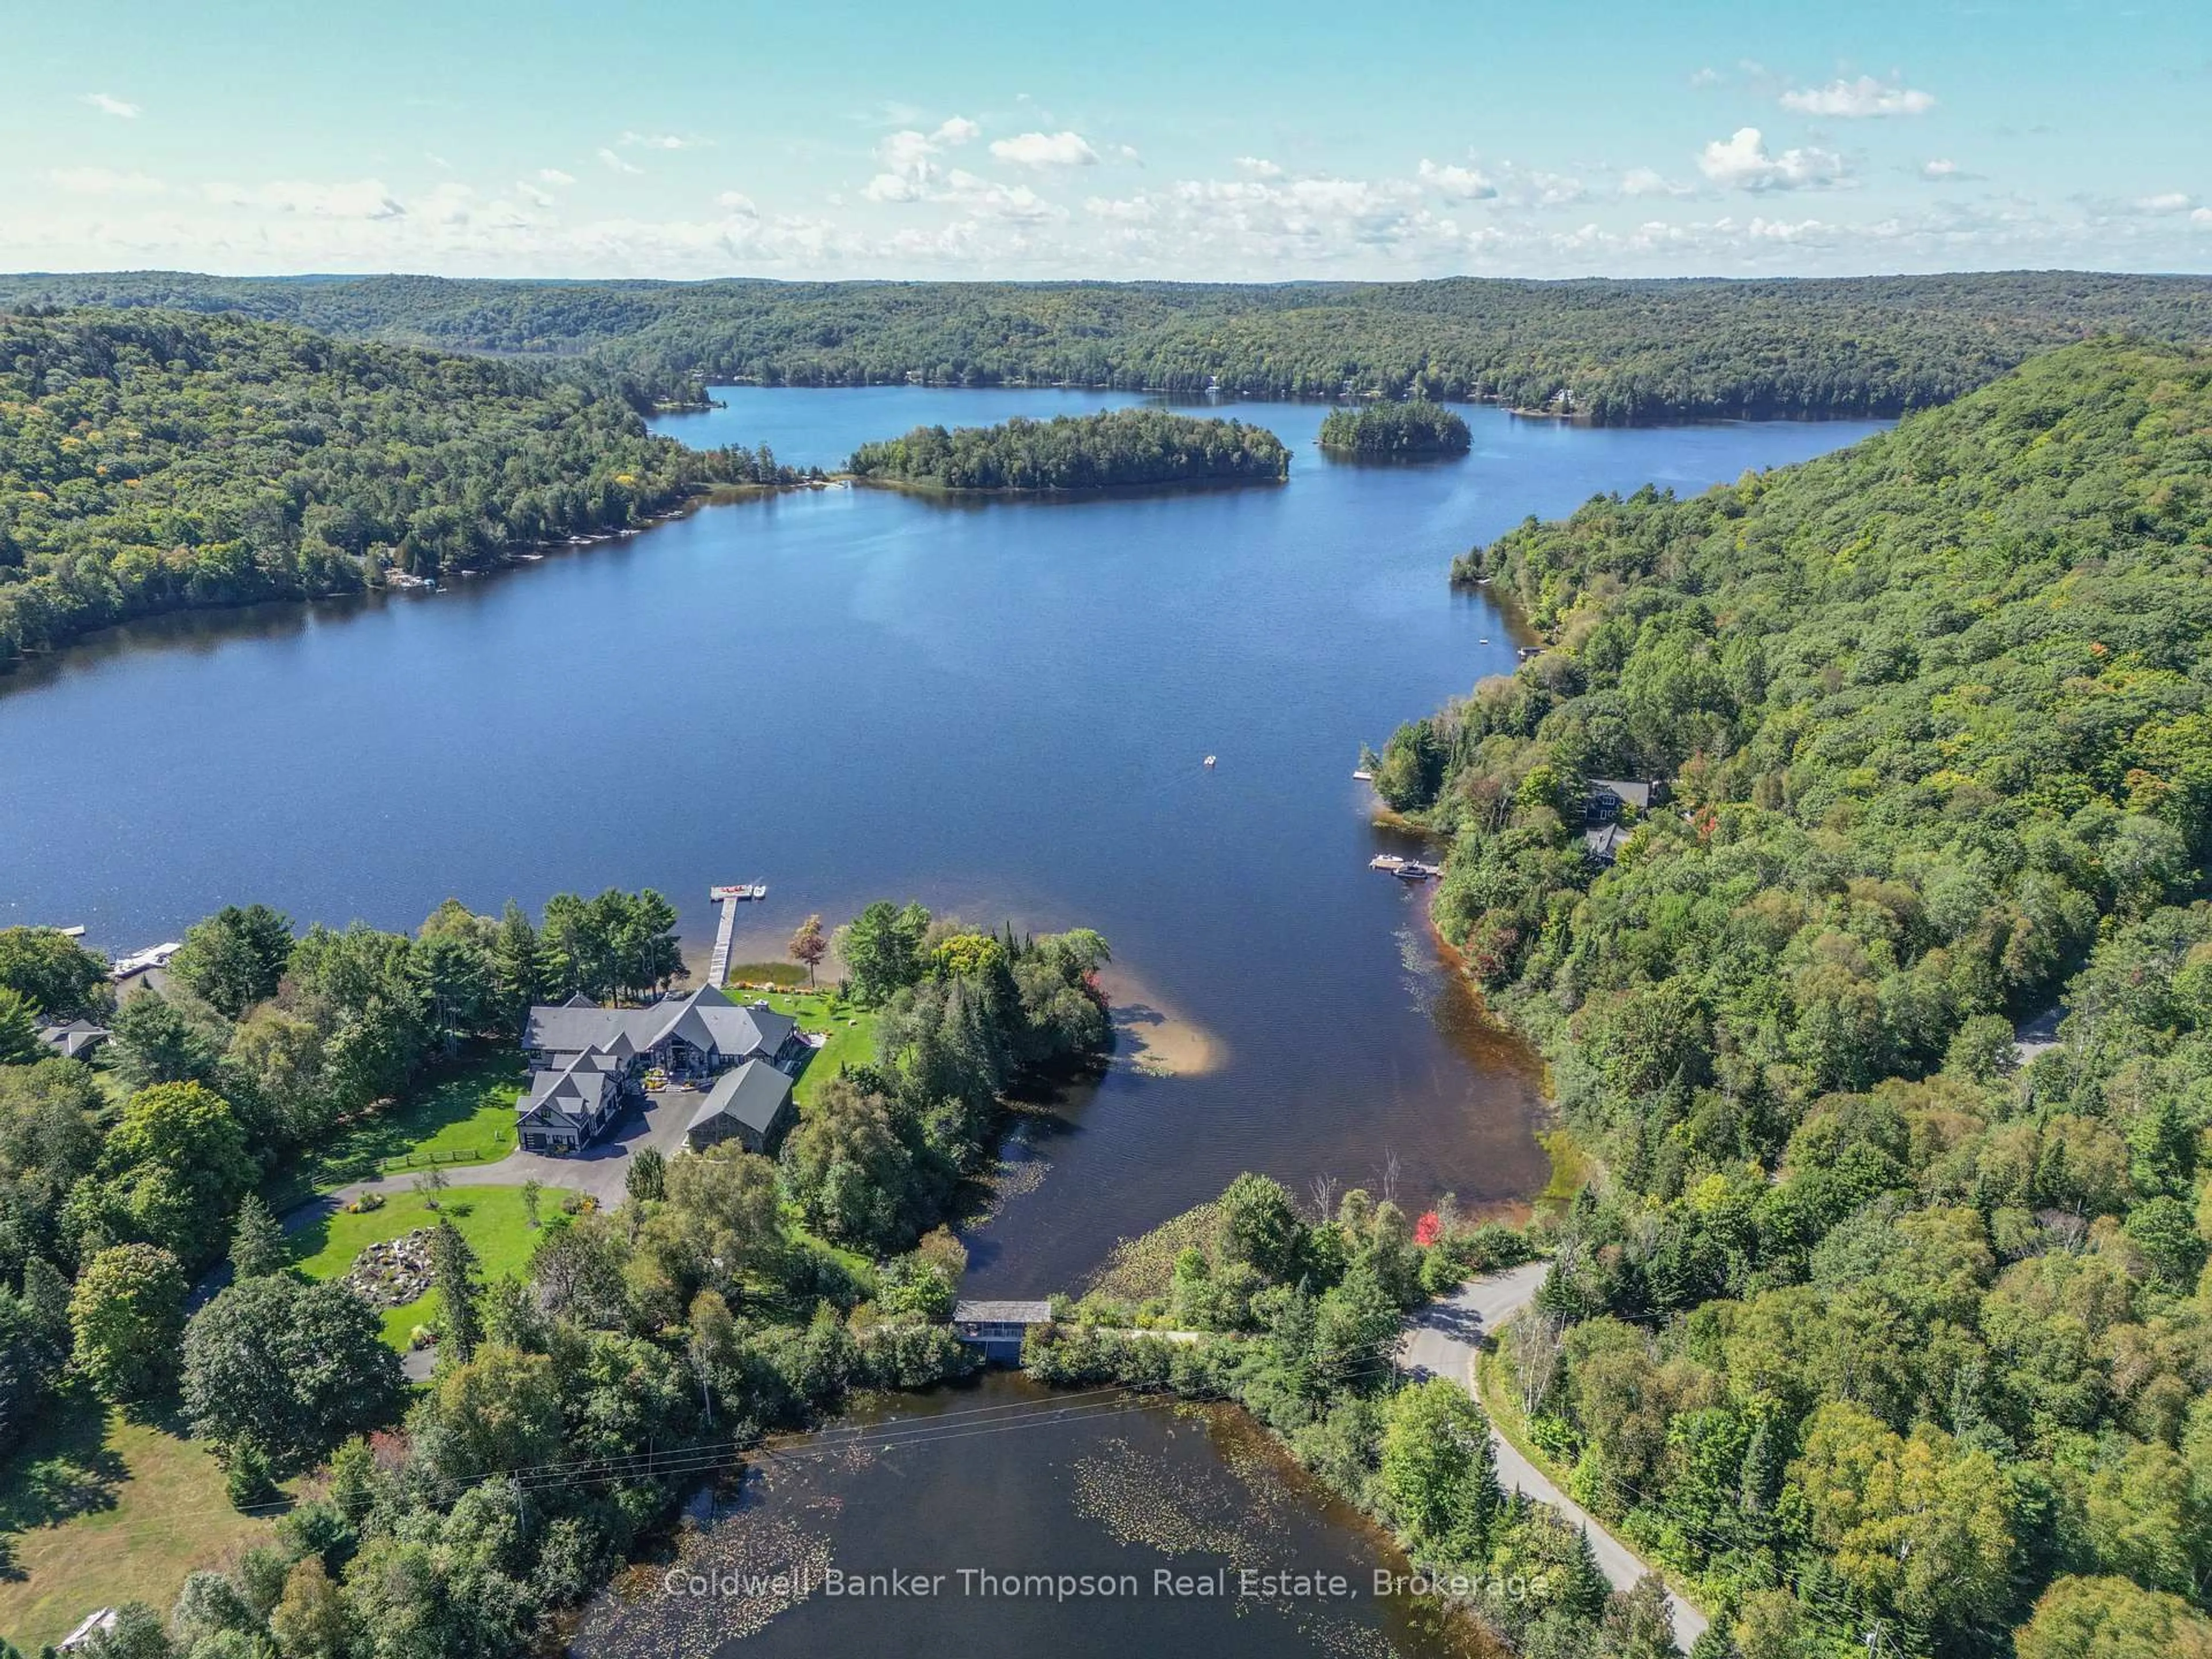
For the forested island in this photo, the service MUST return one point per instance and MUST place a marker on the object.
(1599, 349)
(1390, 430)
(1120, 448)
(151, 461)
(1869, 1321)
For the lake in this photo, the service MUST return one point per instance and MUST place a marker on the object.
(1002, 709)
(999, 708)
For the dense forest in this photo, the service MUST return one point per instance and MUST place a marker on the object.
(1603, 350)
(1120, 448)
(1868, 1323)
(1389, 429)
(151, 461)
(571, 1404)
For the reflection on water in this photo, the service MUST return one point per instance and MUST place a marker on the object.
(973, 1491)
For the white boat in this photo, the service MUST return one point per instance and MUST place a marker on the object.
(1362, 775)
(1209, 762)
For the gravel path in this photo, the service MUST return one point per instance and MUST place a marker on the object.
(1441, 1341)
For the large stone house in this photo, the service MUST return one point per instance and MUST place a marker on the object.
(588, 1062)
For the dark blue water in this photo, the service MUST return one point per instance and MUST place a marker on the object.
(1001, 708)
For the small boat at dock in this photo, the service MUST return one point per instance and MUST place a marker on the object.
(1413, 870)
(1362, 775)
(1390, 861)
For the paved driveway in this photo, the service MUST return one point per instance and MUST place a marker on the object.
(1441, 1340)
(600, 1170)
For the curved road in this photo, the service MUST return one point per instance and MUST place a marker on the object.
(1441, 1341)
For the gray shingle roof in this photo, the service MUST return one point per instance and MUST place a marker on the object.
(706, 1019)
(752, 1095)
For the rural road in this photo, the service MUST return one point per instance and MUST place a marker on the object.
(1442, 1339)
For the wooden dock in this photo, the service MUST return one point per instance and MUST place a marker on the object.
(729, 897)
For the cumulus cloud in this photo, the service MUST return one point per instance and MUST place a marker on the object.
(909, 160)
(2171, 201)
(105, 181)
(1939, 167)
(617, 164)
(1742, 161)
(1258, 166)
(737, 202)
(554, 176)
(1861, 99)
(108, 103)
(361, 198)
(660, 140)
(1458, 184)
(1707, 77)
(2202, 216)
(1046, 149)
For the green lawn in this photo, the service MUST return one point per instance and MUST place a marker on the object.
(491, 1219)
(462, 1114)
(852, 1032)
(97, 1508)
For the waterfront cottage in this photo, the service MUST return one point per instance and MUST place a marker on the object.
(588, 1062)
(751, 1104)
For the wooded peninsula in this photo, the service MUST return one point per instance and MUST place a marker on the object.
(1876, 1315)
(1121, 449)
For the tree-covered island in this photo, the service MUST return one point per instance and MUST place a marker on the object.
(1390, 430)
(1119, 449)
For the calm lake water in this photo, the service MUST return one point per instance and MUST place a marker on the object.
(973, 1491)
(1001, 709)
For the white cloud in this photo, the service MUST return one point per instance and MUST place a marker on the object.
(1258, 166)
(554, 176)
(107, 104)
(2172, 200)
(660, 140)
(1046, 149)
(617, 162)
(105, 181)
(361, 198)
(909, 158)
(1741, 161)
(1860, 100)
(1707, 77)
(449, 203)
(1941, 167)
(1458, 184)
(1649, 181)
(738, 203)
(2202, 216)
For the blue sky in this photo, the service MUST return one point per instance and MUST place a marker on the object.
(1132, 139)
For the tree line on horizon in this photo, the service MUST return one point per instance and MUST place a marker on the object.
(1617, 351)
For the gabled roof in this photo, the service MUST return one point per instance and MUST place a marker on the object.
(76, 1037)
(752, 1095)
(708, 1019)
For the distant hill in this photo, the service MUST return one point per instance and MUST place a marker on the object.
(1614, 352)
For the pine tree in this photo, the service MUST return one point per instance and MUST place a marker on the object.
(257, 1242)
(455, 1275)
